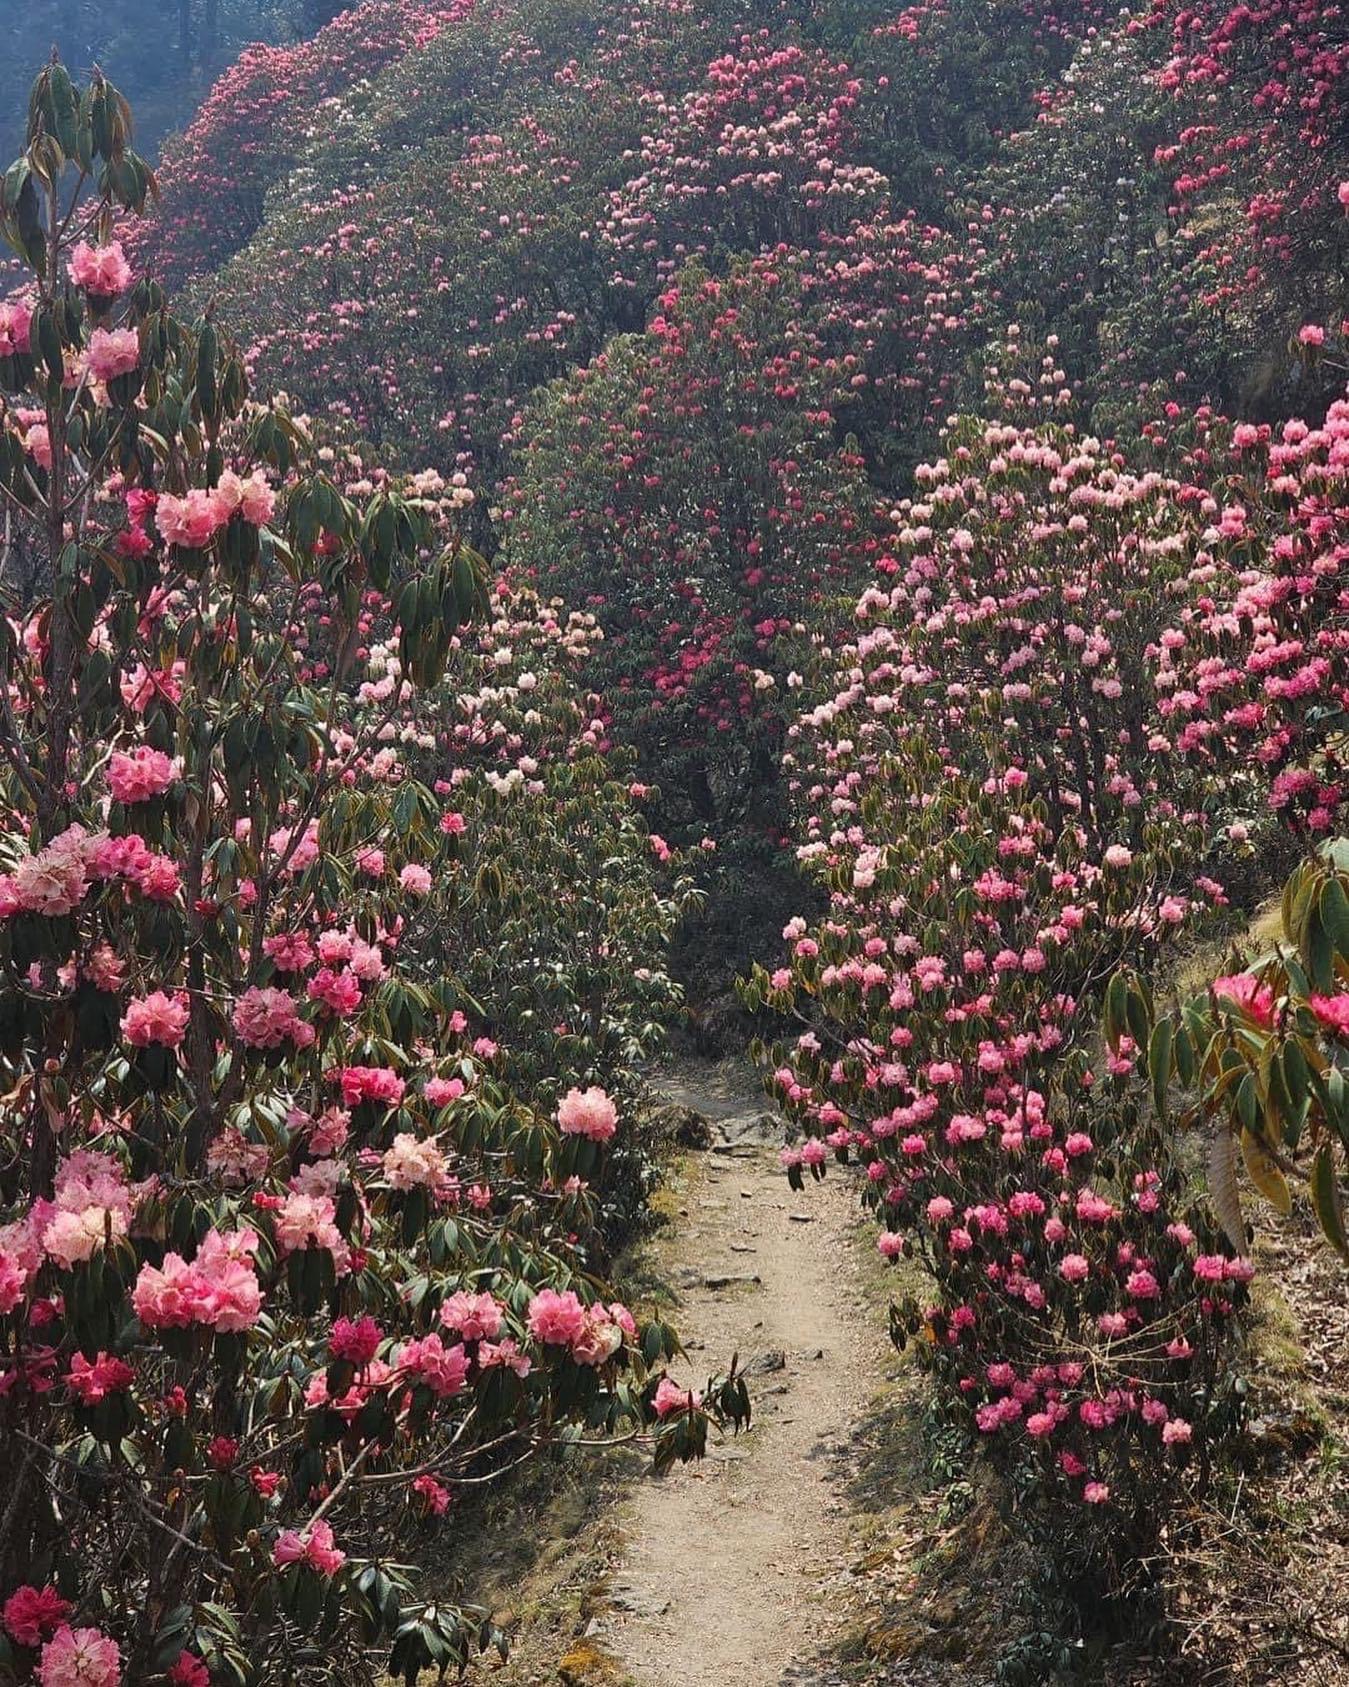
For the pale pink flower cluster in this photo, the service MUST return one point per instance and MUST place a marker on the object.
(141, 774)
(80, 1657)
(56, 880)
(113, 352)
(589, 1113)
(236, 1160)
(218, 1289)
(193, 520)
(475, 1317)
(15, 321)
(102, 271)
(304, 1221)
(413, 1163)
(91, 1204)
(265, 1018)
(592, 1334)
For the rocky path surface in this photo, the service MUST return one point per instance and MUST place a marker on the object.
(723, 1576)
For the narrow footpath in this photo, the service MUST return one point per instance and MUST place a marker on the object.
(723, 1577)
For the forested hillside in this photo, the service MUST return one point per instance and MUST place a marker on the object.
(540, 528)
(426, 217)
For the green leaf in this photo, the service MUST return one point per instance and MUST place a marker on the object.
(1115, 1009)
(1334, 910)
(1327, 1200)
(1159, 1064)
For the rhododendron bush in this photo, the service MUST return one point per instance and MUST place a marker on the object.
(295, 1243)
(1086, 684)
(542, 815)
(683, 488)
(1175, 212)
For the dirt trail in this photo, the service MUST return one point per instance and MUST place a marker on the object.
(721, 1578)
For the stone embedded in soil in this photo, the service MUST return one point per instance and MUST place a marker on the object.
(624, 1596)
(774, 1360)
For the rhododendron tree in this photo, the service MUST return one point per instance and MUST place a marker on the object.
(285, 1257)
(249, 130)
(684, 489)
(755, 157)
(1082, 688)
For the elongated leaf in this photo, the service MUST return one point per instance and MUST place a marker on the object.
(1115, 996)
(1334, 908)
(1159, 1064)
(1265, 1174)
(1326, 1199)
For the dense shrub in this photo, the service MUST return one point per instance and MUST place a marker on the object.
(687, 488)
(1080, 685)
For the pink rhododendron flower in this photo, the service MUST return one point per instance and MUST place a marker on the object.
(589, 1113)
(113, 352)
(253, 499)
(265, 1018)
(444, 1370)
(157, 1019)
(189, 1671)
(355, 1340)
(15, 321)
(411, 1162)
(435, 1495)
(140, 774)
(473, 1316)
(191, 521)
(102, 271)
(93, 1382)
(80, 1657)
(1332, 1012)
(32, 1613)
(556, 1319)
(314, 1547)
(368, 1083)
(1247, 994)
(671, 1398)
